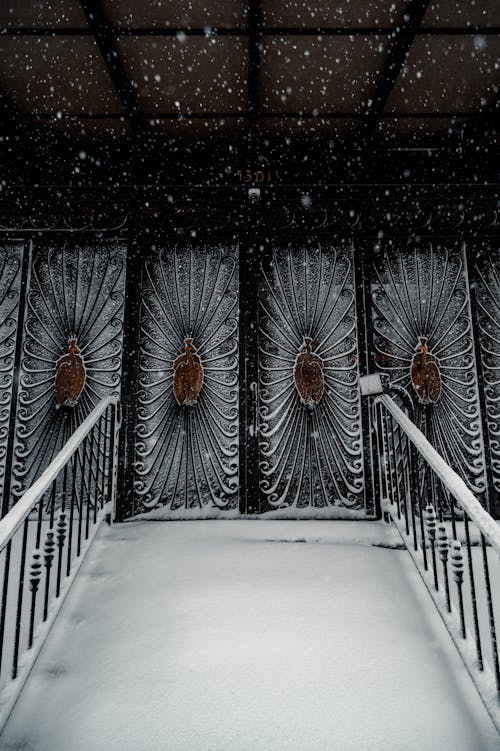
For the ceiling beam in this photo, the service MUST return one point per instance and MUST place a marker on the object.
(209, 31)
(398, 50)
(275, 115)
(105, 40)
(254, 43)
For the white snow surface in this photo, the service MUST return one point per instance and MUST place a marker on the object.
(248, 636)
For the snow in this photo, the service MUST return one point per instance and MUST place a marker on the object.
(241, 636)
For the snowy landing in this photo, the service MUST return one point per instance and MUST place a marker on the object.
(218, 636)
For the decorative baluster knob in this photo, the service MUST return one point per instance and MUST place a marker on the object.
(48, 549)
(442, 542)
(430, 522)
(457, 561)
(35, 570)
(61, 530)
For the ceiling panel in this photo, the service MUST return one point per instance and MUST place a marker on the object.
(51, 74)
(451, 13)
(195, 74)
(327, 13)
(447, 74)
(393, 128)
(56, 13)
(310, 127)
(326, 74)
(175, 13)
(198, 128)
(102, 129)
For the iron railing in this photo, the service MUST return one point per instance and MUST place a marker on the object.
(453, 541)
(44, 539)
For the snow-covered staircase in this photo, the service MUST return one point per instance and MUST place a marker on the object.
(248, 635)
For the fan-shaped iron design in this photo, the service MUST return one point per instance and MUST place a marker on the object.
(187, 459)
(308, 375)
(488, 305)
(310, 459)
(76, 295)
(425, 375)
(188, 376)
(70, 375)
(11, 255)
(423, 293)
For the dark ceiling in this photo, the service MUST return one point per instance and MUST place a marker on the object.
(118, 69)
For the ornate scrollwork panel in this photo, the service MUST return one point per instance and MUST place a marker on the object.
(423, 340)
(11, 255)
(187, 431)
(71, 353)
(488, 307)
(311, 457)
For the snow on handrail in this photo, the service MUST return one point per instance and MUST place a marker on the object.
(450, 479)
(18, 513)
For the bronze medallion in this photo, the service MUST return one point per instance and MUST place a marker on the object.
(188, 376)
(425, 375)
(308, 375)
(70, 375)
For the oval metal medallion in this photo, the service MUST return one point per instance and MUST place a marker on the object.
(71, 375)
(188, 375)
(308, 375)
(425, 374)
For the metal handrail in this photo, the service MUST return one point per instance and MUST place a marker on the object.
(433, 510)
(45, 537)
(23, 508)
(450, 479)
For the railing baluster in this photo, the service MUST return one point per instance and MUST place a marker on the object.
(98, 469)
(421, 520)
(443, 549)
(35, 576)
(20, 592)
(61, 536)
(89, 482)
(457, 566)
(71, 514)
(415, 489)
(104, 456)
(48, 557)
(5, 592)
(430, 525)
(111, 462)
(491, 616)
(477, 634)
(81, 505)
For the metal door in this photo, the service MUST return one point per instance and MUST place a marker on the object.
(311, 444)
(186, 450)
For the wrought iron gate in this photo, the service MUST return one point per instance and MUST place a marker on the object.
(311, 448)
(73, 322)
(187, 417)
(242, 357)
